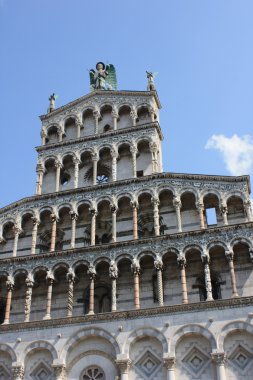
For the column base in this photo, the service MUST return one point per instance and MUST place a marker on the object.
(6, 322)
(47, 316)
(91, 313)
(235, 295)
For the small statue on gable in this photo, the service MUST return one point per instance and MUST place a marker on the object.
(104, 78)
(151, 83)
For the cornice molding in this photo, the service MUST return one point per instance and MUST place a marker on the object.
(156, 312)
(103, 94)
(109, 134)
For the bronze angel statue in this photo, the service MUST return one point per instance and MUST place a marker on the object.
(104, 78)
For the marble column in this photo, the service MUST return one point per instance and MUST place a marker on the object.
(95, 158)
(17, 231)
(113, 273)
(208, 283)
(134, 151)
(124, 366)
(76, 171)
(58, 166)
(169, 364)
(115, 116)
(248, 210)
(10, 287)
(133, 116)
(94, 214)
(54, 230)
(182, 264)
(18, 371)
(71, 280)
(40, 174)
(92, 275)
(34, 235)
(60, 134)
(78, 128)
(159, 267)
(96, 115)
(134, 204)
(230, 259)
(220, 359)
(43, 136)
(74, 217)
(201, 208)
(136, 272)
(177, 204)
(50, 281)
(224, 213)
(114, 210)
(156, 203)
(114, 155)
(28, 296)
(154, 152)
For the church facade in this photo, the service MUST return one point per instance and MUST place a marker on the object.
(115, 269)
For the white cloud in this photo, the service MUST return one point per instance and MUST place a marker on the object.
(237, 152)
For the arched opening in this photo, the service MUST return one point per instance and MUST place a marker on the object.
(52, 135)
(48, 185)
(104, 223)
(125, 120)
(88, 123)
(83, 226)
(212, 210)
(106, 119)
(67, 173)
(144, 159)
(81, 306)
(125, 288)
(60, 291)
(86, 170)
(8, 235)
(143, 115)
(145, 216)
(3, 290)
(243, 264)
(104, 166)
(64, 227)
(189, 213)
(148, 283)
(168, 220)
(45, 233)
(124, 220)
(70, 129)
(124, 164)
(39, 295)
(194, 270)
(236, 213)
(25, 238)
(171, 280)
(18, 297)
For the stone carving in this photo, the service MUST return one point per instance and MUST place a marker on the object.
(51, 99)
(103, 78)
(113, 269)
(151, 82)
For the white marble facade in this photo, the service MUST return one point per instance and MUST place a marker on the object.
(114, 269)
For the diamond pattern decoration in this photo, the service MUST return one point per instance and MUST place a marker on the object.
(147, 365)
(42, 372)
(195, 361)
(4, 373)
(241, 358)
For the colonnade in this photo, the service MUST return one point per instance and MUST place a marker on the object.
(41, 170)
(113, 274)
(98, 115)
(17, 228)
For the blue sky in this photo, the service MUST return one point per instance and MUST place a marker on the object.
(202, 51)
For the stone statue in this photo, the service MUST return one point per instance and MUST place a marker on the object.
(104, 78)
(151, 83)
(52, 99)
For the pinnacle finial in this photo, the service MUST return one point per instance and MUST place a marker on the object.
(51, 99)
(151, 84)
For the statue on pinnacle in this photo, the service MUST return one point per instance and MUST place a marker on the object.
(103, 78)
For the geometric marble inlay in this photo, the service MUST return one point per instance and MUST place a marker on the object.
(147, 365)
(41, 372)
(4, 373)
(195, 361)
(241, 358)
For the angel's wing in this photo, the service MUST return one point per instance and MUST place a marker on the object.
(155, 74)
(92, 81)
(111, 79)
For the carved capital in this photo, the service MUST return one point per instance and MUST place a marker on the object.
(134, 204)
(181, 260)
(35, 221)
(58, 164)
(70, 275)
(229, 255)
(10, 283)
(59, 371)
(155, 202)
(96, 114)
(18, 371)
(113, 208)
(93, 212)
(133, 149)
(219, 358)
(169, 362)
(135, 266)
(205, 259)
(200, 206)
(73, 215)
(223, 210)
(123, 365)
(177, 202)
(53, 218)
(133, 114)
(95, 156)
(29, 280)
(158, 264)
(50, 277)
(114, 153)
(17, 229)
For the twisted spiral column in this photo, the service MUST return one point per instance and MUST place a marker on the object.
(76, 171)
(113, 273)
(159, 267)
(71, 280)
(208, 282)
(17, 231)
(34, 235)
(156, 203)
(28, 296)
(134, 151)
(94, 214)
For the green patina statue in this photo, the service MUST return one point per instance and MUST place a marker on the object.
(104, 78)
